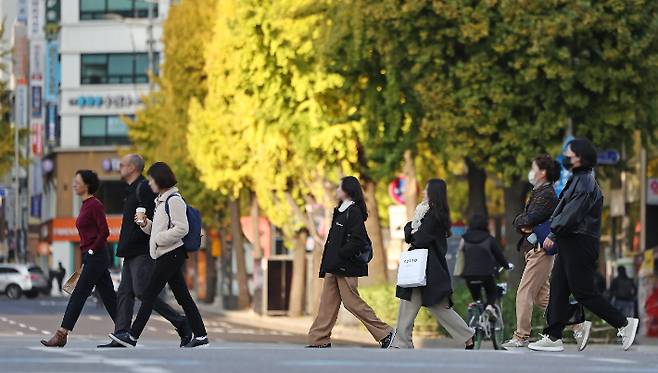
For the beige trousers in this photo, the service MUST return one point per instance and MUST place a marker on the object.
(446, 316)
(337, 289)
(533, 290)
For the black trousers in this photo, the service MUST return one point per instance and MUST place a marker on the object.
(475, 285)
(135, 277)
(169, 270)
(94, 273)
(573, 273)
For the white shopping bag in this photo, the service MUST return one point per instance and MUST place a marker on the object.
(413, 264)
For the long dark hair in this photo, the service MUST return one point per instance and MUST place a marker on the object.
(437, 195)
(351, 186)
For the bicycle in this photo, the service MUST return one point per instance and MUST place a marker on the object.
(488, 321)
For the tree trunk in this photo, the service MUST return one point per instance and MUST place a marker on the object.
(238, 246)
(411, 186)
(477, 198)
(377, 268)
(257, 275)
(514, 196)
(297, 288)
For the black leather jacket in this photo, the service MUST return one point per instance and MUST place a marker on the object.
(579, 209)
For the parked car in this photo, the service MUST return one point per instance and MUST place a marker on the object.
(19, 279)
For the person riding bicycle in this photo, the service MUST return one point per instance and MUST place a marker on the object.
(482, 256)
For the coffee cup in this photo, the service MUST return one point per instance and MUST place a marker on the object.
(141, 215)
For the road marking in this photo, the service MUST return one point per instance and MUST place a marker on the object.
(613, 361)
(20, 333)
(22, 325)
(3, 319)
(151, 329)
(12, 322)
(45, 332)
(32, 328)
(95, 318)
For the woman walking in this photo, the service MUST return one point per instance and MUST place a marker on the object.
(482, 257)
(576, 229)
(341, 269)
(93, 230)
(430, 229)
(533, 289)
(167, 230)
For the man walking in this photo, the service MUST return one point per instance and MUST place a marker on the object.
(624, 292)
(134, 248)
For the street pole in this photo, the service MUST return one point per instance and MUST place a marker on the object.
(150, 41)
(17, 204)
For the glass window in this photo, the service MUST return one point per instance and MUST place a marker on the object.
(104, 9)
(103, 130)
(116, 127)
(94, 68)
(116, 68)
(120, 68)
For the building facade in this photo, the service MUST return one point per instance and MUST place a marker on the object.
(106, 51)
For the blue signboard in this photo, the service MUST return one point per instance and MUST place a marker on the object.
(35, 206)
(564, 173)
(608, 157)
(51, 73)
(37, 112)
(3, 192)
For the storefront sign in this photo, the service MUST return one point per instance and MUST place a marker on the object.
(52, 124)
(64, 229)
(51, 73)
(21, 14)
(35, 206)
(37, 139)
(20, 106)
(36, 18)
(111, 164)
(36, 104)
(652, 192)
(118, 101)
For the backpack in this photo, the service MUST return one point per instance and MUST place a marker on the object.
(192, 240)
(365, 255)
(624, 289)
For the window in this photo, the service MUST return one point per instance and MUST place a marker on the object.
(116, 68)
(112, 194)
(103, 130)
(7, 270)
(104, 9)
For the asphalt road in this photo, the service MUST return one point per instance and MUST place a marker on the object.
(235, 348)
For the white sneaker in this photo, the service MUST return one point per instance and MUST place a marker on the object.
(581, 333)
(628, 333)
(516, 343)
(545, 344)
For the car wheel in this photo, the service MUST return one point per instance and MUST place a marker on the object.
(14, 291)
(32, 294)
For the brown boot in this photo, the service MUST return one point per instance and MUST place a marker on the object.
(58, 340)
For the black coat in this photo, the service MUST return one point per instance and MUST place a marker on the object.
(580, 207)
(132, 240)
(482, 254)
(347, 237)
(431, 236)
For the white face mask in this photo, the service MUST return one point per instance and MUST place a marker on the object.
(531, 178)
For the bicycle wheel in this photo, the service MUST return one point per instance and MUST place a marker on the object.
(478, 338)
(497, 329)
(473, 322)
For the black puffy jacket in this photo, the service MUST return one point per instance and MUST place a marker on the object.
(347, 237)
(580, 207)
(482, 254)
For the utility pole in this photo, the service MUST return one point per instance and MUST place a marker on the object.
(150, 41)
(17, 185)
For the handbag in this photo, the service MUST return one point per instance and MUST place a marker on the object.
(542, 231)
(412, 270)
(70, 284)
(460, 261)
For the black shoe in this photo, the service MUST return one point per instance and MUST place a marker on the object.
(195, 342)
(123, 339)
(185, 334)
(326, 345)
(388, 340)
(112, 344)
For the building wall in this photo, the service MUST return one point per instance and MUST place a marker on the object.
(67, 163)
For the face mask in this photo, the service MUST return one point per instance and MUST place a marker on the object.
(531, 178)
(566, 162)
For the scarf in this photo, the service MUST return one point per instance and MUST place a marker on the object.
(421, 211)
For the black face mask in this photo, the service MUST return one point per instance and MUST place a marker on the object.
(566, 162)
